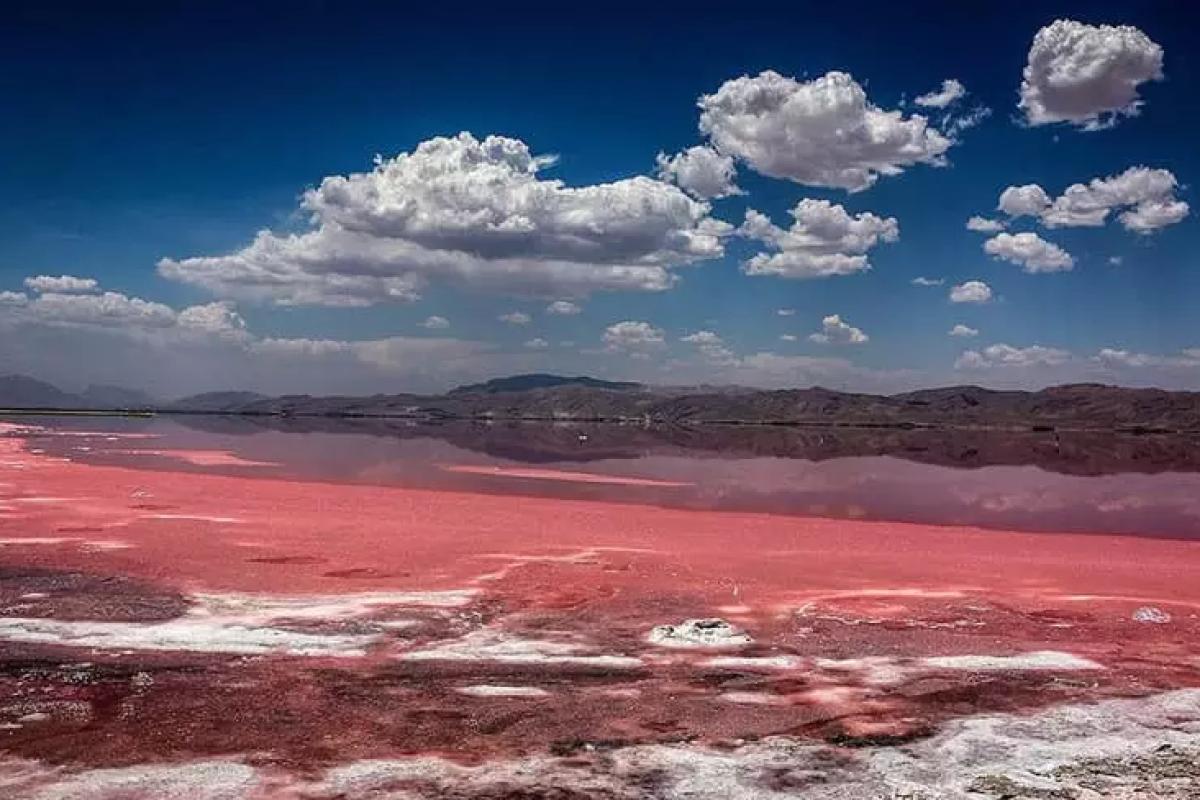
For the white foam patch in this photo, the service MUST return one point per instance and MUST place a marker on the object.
(495, 645)
(755, 662)
(325, 606)
(194, 518)
(871, 670)
(184, 634)
(1040, 660)
(104, 545)
(43, 541)
(45, 501)
(754, 698)
(494, 690)
(241, 624)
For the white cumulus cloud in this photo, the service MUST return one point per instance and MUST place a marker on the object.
(1087, 75)
(63, 284)
(1029, 200)
(1003, 355)
(701, 171)
(1031, 251)
(834, 330)
(632, 336)
(823, 132)
(976, 292)
(472, 212)
(824, 240)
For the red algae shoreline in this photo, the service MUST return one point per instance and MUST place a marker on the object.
(146, 614)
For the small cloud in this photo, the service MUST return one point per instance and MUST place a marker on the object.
(1031, 251)
(515, 318)
(537, 343)
(971, 292)
(920, 280)
(786, 312)
(563, 308)
(632, 336)
(835, 331)
(787, 337)
(700, 171)
(436, 323)
(711, 345)
(964, 331)
(984, 225)
(824, 240)
(951, 91)
(1116, 261)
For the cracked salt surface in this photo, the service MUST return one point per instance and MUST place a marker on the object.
(1084, 751)
(199, 780)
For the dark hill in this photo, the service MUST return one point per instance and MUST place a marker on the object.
(540, 380)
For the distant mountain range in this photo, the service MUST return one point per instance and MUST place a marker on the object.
(19, 391)
(557, 398)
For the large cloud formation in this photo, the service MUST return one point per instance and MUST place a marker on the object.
(472, 212)
(823, 240)
(1087, 75)
(1145, 196)
(823, 132)
(54, 303)
(106, 336)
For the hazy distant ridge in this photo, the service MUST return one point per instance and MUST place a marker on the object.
(551, 397)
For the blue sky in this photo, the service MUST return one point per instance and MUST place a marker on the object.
(139, 132)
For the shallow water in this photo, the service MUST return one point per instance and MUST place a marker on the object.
(1086, 483)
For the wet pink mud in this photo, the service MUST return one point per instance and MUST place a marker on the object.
(157, 617)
